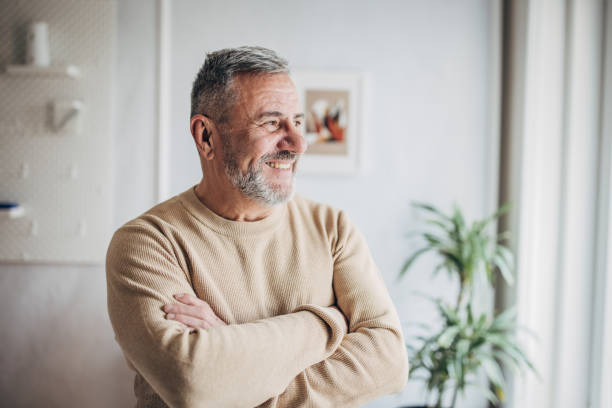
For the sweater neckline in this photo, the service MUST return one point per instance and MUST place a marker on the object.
(229, 227)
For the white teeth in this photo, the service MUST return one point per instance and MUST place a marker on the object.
(279, 165)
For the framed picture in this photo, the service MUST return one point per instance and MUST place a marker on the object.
(333, 108)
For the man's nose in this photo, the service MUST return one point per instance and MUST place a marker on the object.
(294, 140)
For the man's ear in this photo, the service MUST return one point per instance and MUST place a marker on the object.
(202, 130)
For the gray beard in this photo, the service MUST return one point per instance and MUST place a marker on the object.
(253, 183)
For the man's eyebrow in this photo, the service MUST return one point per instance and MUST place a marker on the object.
(276, 114)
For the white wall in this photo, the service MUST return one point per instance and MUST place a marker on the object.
(428, 111)
(427, 140)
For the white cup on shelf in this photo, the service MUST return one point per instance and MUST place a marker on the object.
(37, 44)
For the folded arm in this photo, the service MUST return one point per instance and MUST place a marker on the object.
(371, 360)
(233, 365)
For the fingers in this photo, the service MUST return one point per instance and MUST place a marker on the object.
(189, 299)
(190, 322)
(202, 312)
(192, 312)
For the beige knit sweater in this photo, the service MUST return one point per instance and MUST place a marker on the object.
(275, 282)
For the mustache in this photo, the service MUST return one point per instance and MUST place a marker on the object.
(282, 155)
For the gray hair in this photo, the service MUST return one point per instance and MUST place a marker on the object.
(212, 92)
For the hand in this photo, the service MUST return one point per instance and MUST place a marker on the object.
(192, 312)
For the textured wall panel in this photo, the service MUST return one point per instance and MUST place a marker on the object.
(62, 179)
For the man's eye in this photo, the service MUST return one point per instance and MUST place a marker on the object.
(272, 124)
(297, 123)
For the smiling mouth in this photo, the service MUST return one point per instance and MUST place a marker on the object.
(279, 165)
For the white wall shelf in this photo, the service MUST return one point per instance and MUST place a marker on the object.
(58, 71)
(62, 184)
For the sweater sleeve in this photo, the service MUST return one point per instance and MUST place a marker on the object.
(371, 360)
(235, 365)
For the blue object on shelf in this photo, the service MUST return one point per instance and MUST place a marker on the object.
(11, 210)
(8, 204)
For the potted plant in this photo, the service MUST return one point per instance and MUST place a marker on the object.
(449, 358)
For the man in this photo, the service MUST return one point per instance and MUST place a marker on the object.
(237, 294)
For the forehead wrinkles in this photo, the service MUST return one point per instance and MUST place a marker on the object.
(278, 99)
(274, 92)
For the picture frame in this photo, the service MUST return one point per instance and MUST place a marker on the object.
(334, 121)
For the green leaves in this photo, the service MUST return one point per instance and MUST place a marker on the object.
(504, 261)
(505, 320)
(494, 372)
(411, 260)
(463, 251)
(465, 344)
(486, 392)
(451, 356)
(448, 336)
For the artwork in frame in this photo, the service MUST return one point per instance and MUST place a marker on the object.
(333, 109)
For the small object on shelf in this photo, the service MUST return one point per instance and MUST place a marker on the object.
(57, 71)
(67, 116)
(11, 210)
(37, 44)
